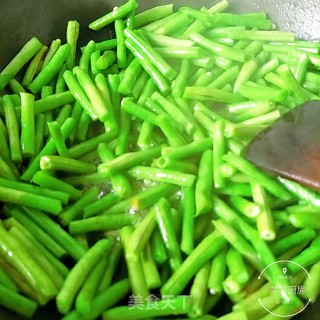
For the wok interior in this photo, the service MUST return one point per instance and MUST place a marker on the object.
(20, 20)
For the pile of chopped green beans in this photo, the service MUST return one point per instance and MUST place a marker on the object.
(124, 188)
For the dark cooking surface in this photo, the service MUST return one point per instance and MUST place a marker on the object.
(20, 20)
(47, 19)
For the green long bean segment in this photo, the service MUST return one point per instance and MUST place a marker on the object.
(117, 13)
(31, 200)
(75, 249)
(17, 302)
(51, 69)
(32, 273)
(165, 224)
(78, 274)
(162, 175)
(27, 124)
(45, 239)
(13, 128)
(23, 56)
(124, 186)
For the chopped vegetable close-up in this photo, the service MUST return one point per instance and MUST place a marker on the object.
(167, 171)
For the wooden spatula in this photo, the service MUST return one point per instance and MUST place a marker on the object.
(291, 146)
